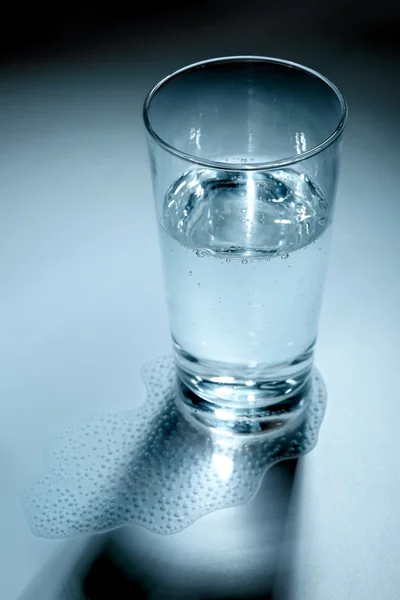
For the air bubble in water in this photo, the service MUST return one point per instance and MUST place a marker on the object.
(199, 253)
(285, 255)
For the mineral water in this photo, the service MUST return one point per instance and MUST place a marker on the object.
(244, 261)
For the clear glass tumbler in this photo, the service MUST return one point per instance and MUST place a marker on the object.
(244, 155)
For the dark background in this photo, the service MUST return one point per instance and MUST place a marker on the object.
(36, 31)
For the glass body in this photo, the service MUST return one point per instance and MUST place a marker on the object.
(244, 157)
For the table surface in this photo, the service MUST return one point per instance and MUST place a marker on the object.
(82, 305)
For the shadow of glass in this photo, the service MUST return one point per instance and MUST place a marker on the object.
(229, 504)
(245, 551)
(240, 552)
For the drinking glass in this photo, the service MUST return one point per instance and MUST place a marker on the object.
(244, 155)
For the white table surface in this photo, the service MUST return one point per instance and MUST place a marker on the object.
(82, 305)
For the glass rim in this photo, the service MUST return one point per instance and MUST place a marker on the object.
(254, 166)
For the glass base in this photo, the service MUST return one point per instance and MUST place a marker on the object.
(235, 407)
(243, 398)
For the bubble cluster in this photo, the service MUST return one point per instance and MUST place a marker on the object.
(153, 467)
